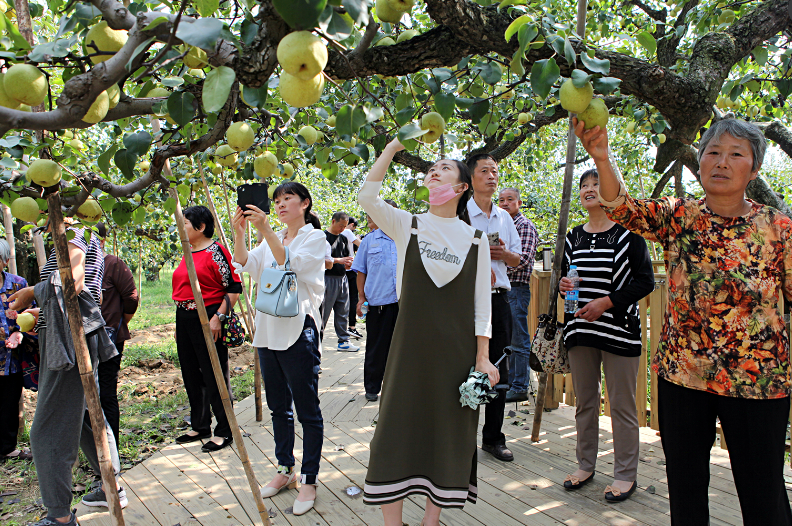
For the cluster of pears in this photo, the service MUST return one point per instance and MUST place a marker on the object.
(303, 57)
(392, 10)
(593, 112)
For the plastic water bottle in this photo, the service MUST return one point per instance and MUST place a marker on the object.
(364, 309)
(571, 298)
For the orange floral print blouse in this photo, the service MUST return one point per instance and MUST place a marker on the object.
(723, 331)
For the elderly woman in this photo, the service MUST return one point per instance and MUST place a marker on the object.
(12, 342)
(220, 288)
(724, 352)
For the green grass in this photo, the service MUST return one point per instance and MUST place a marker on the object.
(134, 354)
(156, 306)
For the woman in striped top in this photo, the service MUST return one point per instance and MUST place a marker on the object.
(615, 272)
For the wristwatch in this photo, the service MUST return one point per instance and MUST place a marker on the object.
(222, 317)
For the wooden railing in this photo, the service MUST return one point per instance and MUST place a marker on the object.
(651, 310)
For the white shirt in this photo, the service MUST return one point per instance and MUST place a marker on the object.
(306, 259)
(347, 233)
(328, 255)
(501, 222)
(443, 244)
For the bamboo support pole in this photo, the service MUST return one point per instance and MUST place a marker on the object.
(83, 357)
(256, 363)
(561, 235)
(8, 223)
(218, 372)
(140, 269)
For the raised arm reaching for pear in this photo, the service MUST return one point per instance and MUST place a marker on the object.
(595, 142)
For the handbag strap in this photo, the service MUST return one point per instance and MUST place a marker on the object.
(286, 263)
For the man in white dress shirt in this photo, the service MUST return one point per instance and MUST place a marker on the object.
(505, 252)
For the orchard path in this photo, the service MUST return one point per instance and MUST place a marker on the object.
(180, 485)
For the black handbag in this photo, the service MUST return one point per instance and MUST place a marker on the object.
(233, 332)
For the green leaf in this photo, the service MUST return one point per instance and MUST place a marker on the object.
(580, 78)
(217, 87)
(349, 119)
(19, 41)
(659, 126)
(140, 215)
(154, 23)
(379, 142)
(444, 104)
(361, 150)
(333, 24)
(323, 155)
(760, 55)
(648, 42)
(104, 160)
(595, 65)
(138, 143)
(255, 97)
(181, 107)
(170, 206)
(373, 114)
(203, 33)
(402, 101)
(300, 14)
(404, 116)
(569, 52)
(125, 161)
(330, 171)
(138, 50)
(248, 31)
(122, 212)
(526, 35)
(516, 65)
(544, 73)
(491, 73)
(358, 10)
(606, 85)
(515, 26)
(410, 131)
(478, 110)
(206, 7)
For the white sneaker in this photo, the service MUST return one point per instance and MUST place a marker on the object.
(347, 347)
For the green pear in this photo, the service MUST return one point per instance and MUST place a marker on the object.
(265, 164)
(595, 115)
(302, 54)
(573, 99)
(435, 123)
(25, 209)
(300, 93)
(44, 172)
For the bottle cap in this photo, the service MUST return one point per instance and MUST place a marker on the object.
(571, 267)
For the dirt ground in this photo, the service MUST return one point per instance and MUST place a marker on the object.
(157, 377)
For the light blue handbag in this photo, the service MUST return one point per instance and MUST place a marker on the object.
(277, 294)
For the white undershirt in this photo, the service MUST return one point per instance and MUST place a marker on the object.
(443, 243)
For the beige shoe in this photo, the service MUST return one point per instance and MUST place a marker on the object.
(269, 491)
(301, 508)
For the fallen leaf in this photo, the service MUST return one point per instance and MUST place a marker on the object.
(272, 513)
(651, 489)
(511, 413)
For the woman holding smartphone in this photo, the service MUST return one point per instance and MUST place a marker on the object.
(425, 441)
(289, 347)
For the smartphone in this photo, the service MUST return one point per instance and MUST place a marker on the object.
(253, 194)
(494, 239)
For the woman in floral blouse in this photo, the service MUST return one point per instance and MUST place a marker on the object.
(724, 350)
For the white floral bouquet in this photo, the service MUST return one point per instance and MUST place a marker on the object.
(476, 390)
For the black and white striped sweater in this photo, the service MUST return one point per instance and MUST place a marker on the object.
(613, 263)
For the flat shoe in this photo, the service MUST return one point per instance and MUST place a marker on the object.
(301, 508)
(186, 439)
(572, 482)
(268, 491)
(212, 446)
(500, 451)
(22, 455)
(615, 495)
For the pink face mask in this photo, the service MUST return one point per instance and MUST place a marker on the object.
(442, 194)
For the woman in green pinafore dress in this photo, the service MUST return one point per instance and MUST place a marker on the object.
(425, 441)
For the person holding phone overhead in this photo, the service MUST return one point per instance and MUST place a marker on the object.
(289, 347)
(425, 441)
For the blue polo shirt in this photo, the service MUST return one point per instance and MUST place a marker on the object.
(376, 258)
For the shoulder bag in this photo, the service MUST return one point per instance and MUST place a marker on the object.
(233, 331)
(277, 291)
(548, 352)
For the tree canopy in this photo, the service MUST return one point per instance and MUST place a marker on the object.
(491, 70)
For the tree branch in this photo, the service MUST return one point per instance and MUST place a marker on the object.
(656, 14)
(661, 184)
(780, 135)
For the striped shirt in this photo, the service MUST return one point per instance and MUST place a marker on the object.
(94, 266)
(614, 263)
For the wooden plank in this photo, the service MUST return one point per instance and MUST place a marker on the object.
(163, 506)
(190, 495)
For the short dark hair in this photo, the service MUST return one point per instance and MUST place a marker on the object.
(475, 158)
(200, 216)
(352, 221)
(392, 203)
(340, 216)
(588, 174)
(101, 230)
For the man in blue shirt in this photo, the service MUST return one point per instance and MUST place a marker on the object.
(375, 264)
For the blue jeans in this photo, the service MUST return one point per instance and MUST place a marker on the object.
(519, 298)
(291, 377)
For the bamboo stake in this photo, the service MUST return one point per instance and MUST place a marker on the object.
(8, 222)
(140, 269)
(218, 372)
(563, 219)
(83, 357)
(256, 363)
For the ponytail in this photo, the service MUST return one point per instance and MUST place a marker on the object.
(312, 219)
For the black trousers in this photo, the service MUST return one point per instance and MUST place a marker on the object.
(755, 431)
(108, 389)
(501, 338)
(380, 323)
(10, 391)
(196, 368)
(353, 298)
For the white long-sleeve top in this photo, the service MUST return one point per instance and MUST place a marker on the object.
(306, 259)
(443, 244)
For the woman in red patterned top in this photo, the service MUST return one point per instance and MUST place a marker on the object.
(724, 349)
(219, 286)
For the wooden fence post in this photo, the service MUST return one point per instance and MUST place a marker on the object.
(248, 313)
(83, 357)
(218, 372)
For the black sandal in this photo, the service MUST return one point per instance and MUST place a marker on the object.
(614, 495)
(187, 438)
(573, 483)
(213, 446)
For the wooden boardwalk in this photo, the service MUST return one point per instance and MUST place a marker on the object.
(180, 485)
